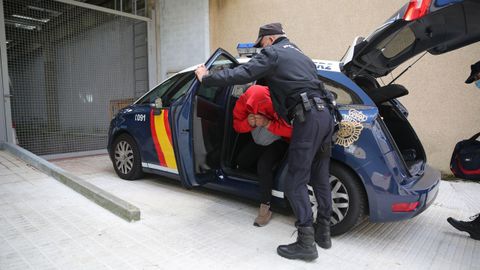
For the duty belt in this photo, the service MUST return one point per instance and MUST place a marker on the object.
(298, 111)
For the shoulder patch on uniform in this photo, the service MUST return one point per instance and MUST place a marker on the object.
(290, 46)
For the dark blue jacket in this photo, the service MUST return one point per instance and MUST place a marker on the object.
(283, 67)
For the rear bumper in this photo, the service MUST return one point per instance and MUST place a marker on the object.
(424, 191)
(427, 187)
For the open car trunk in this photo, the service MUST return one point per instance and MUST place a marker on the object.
(394, 117)
(406, 140)
(440, 27)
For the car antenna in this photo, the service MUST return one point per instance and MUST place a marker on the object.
(341, 59)
(405, 70)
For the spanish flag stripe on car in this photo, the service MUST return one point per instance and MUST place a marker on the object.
(161, 158)
(167, 127)
(162, 139)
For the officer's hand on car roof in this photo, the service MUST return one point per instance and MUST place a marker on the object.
(200, 72)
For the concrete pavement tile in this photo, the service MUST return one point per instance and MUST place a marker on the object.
(33, 176)
(36, 258)
(13, 261)
(161, 249)
(146, 256)
(10, 178)
(7, 230)
(101, 253)
(116, 262)
(12, 255)
(139, 231)
(11, 164)
(4, 172)
(153, 267)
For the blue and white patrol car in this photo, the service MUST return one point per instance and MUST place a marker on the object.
(183, 130)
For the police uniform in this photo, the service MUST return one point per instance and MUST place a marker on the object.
(288, 73)
(291, 75)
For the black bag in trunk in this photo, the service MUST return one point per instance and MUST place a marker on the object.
(465, 161)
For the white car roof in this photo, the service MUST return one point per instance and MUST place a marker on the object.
(326, 65)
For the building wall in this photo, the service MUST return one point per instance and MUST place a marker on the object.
(443, 110)
(183, 34)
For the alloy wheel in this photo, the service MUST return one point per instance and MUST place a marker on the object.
(340, 200)
(124, 157)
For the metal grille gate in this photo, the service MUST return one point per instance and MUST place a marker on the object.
(70, 68)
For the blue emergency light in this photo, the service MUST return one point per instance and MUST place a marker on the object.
(246, 49)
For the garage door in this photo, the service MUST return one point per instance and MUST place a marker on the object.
(70, 68)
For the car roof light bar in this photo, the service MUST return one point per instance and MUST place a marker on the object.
(246, 49)
(416, 9)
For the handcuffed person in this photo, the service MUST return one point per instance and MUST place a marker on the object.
(254, 113)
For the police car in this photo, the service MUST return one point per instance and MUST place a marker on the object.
(183, 130)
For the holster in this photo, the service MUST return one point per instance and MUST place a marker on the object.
(298, 113)
(306, 104)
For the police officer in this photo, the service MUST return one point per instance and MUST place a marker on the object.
(299, 97)
(471, 227)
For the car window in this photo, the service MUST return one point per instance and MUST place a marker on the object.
(182, 89)
(342, 94)
(397, 42)
(215, 94)
(169, 90)
(178, 90)
(221, 63)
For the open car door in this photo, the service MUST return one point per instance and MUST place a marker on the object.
(199, 123)
(436, 26)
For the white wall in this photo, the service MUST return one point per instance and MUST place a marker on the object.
(182, 34)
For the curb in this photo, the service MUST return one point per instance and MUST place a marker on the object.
(108, 201)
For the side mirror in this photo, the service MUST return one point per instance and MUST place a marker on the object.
(158, 104)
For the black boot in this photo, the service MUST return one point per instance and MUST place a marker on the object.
(304, 248)
(471, 227)
(322, 233)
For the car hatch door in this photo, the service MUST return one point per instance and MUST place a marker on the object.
(197, 121)
(448, 25)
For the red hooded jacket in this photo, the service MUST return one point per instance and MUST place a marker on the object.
(256, 100)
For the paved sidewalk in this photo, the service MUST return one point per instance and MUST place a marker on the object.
(46, 225)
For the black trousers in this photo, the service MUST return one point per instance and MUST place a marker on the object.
(309, 162)
(266, 159)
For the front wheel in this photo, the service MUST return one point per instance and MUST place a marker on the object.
(348, 200)
(126, 158)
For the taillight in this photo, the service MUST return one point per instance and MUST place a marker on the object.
(404, 207)
(416, 9)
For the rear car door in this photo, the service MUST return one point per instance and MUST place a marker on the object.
(199, 124)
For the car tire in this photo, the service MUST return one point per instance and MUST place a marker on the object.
(349, 200)
(126, 158)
